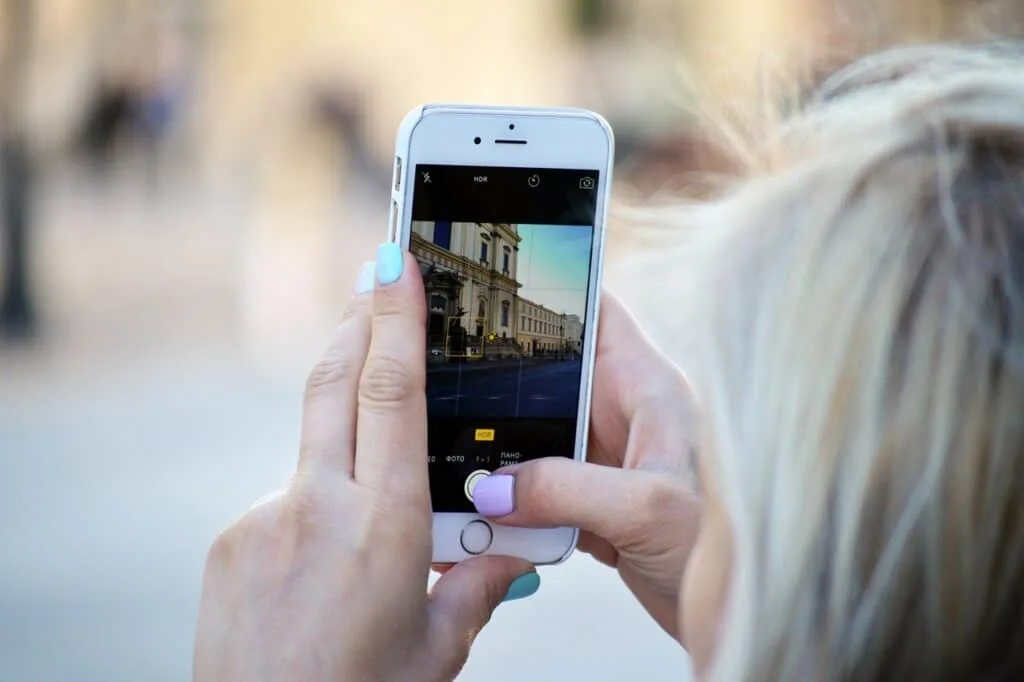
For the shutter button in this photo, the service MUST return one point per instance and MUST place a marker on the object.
(472, 480)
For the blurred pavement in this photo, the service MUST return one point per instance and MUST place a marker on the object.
(164, 401)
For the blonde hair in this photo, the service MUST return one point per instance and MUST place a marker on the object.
(863, 379)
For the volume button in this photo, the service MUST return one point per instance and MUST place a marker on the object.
(398, 173)
(393, 223)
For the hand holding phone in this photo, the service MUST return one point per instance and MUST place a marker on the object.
(325, 580)
(504, 211)
(636, 501)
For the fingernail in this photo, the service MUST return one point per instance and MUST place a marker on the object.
(364, 281)
(495, 495)
(389, 263)
(523, 586)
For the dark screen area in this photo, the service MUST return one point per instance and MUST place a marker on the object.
(505, 257)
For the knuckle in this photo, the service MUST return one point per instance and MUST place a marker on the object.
(300, 523)
(335, 368)
(400, 307)
(388, 381)
(535, 490)
(317, 502)
(236, 541)
(262, 525)
(351, 313)
(390, 304)
(397, 524)
(658, 502)
(222, 552)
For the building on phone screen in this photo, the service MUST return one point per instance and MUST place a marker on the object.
(470, 273)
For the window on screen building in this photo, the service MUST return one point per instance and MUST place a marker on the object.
(443, 235)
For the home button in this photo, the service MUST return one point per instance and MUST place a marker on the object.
(476, 537)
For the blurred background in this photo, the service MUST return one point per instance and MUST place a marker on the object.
(186, 189)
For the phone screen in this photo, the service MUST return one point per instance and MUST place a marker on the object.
(505, 255)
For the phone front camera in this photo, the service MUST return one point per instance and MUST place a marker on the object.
(476, 140)
(511, 126)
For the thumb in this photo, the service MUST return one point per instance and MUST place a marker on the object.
(619, 505)
(464, 598)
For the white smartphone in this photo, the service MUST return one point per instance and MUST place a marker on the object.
(504, 210)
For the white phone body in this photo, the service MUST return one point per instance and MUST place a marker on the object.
(508, 138)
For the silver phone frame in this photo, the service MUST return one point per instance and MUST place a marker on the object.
(400, 231)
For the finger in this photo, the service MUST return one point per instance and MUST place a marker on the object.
(663, 431)
(329, 409)
(620, 334)
(599, 548)
(661, 414)
(642, 402)
(465, 597)
(618, 505)
(391, 437)
(617, 326)
(441, 569)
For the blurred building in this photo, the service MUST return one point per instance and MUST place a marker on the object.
(286, 112)
(255, 67)
(275, 95)
(252, 73)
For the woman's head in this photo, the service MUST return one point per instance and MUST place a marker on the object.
(863, 385)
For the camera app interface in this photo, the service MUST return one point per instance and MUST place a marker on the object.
(505, 255)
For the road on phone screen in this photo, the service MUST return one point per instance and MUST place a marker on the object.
(529, 387)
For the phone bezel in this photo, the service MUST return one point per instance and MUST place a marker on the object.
(554, 138)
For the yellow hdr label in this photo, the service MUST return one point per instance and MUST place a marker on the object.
(485, 434)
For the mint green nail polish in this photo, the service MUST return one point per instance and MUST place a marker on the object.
(389, 263)
(522, 587)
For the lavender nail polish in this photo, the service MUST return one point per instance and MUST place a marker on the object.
(495, 495)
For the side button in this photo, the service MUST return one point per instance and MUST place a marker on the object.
(476, 537)
(393, 223)
(398, 173)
